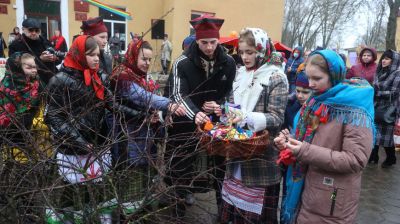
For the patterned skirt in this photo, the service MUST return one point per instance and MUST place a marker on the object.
(384, 135)
(269, 215)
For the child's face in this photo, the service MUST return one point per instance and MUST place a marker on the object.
(29, 67)
(302, 94)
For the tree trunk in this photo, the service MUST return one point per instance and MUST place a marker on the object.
(392, 24)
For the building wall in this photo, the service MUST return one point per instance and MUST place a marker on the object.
(8, 21)
(265, 14)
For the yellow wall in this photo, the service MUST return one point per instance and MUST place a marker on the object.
(265, 14)
(8, 22)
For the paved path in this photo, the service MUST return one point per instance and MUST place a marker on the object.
(380, 194)
(379, 203)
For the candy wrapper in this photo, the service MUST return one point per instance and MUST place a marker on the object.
(230, 113)
(223, 132)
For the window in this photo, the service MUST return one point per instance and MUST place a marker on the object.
(196, 14)
(115, 24)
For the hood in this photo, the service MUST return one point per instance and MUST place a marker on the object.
(300, 49)
(374, 54)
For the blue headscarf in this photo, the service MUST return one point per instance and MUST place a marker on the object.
(336, 66)
(347, 102)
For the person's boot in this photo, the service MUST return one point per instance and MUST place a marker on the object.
(374, 157)
(390, 158)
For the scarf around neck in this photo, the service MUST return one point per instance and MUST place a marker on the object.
(349, 102)
(76, 59)
(58, 42)
(129, 71)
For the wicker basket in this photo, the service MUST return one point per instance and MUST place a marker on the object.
(235, 148)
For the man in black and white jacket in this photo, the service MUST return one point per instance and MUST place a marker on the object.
(201, 79)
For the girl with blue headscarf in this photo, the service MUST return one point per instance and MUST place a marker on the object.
(332, 142)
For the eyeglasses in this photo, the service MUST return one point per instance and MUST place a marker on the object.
(37, 30)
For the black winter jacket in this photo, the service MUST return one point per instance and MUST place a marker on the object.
(189, 83)
(75, 116)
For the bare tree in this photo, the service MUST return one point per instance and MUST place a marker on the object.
(316, 19)
(334, 15)
(392, 24)
(376, 13)
(300, 23)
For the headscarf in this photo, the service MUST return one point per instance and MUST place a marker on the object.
(129, 70)
(76, 59)
(263, 47)
(18, 93)
(348, 101)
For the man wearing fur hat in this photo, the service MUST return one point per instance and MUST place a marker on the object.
(201, 79)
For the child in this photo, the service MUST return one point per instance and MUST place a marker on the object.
(303, 92)
(19, 102)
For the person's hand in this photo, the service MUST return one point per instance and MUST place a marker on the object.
(294, 145)
(177, 109)
(201, 118)
(218, 111)
(154, 118)
(280, 142)
(210, 106)
(282, 139)
(47, 57)
(289, 69)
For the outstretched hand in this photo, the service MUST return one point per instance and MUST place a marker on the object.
(177, 109)
(201, 118)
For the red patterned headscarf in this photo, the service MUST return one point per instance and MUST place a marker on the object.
(76, 59)
(129, 70)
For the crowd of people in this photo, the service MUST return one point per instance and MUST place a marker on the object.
(111, 135)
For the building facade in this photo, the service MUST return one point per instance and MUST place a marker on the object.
(66, 15)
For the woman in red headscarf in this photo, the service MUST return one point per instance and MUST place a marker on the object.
(75, 112)
(137, 90)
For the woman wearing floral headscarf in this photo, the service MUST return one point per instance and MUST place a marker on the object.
(134, 150)
(251, 187)
(332, 141)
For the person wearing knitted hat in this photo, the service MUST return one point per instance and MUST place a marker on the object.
(96, 28)
(303, 92)
(330, 147)
(188, 41)
(200, 79)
